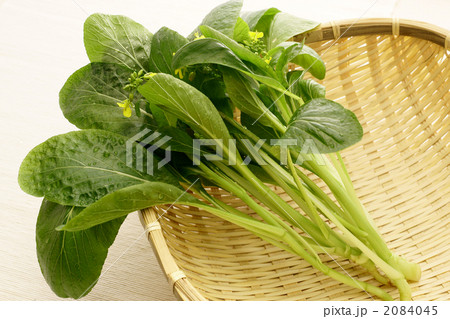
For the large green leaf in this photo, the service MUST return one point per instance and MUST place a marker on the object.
(259, 20)
(223, 17)
(324, 126)
(207, 51)
(117, 39)
(145, 195)
(89, 99)
(71, 262)
(284, 26)
(187, 103)
(78, 168)
(309, 60)
(127, 200)
(165, 43)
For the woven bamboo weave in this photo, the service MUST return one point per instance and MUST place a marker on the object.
(395, 76)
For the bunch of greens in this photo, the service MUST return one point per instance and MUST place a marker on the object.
(188, 89)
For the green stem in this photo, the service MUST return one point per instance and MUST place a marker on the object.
(280, 102)
(312, 209)
(291, 238)
(354, 206)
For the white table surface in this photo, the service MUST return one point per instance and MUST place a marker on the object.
(41, 44)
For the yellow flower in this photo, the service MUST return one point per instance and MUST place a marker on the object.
(180, 72)
(255, 35)
(268, 60)
(198, 37)
(149, 75)
(126, 105)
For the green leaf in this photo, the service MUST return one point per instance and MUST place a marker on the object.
(207, 51)
(127, 200)
(284, 26)
(308, 89)
(309, 60)
(180, 141)
(286, 55)
(78, 168)
(165, 43)
(259, 20)
(222, 18)
(272, 83)
(117, 39)
(240, 90)
(241, 31)
(187, 103)
(242, 52)
(146, 195)
(324, 126)
(163, 119)
(256, 127)
(71, 262)
(89, 99)
(212, 51)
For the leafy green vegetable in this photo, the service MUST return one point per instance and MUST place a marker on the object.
(163, 119)
(127, 200)
(117, 39)
(232, 86)
(262, 131)
(259, 20)
(309, 60)
(165, 43)
(241, 92)
(286, 55)
(71, 262)
(242, 52)
(180, 140)
(78, 168)
(137, 197)
(284, 26)
(89, 99)
(241, 31)
(187, 103)
(222, 18)
(327, 124)
(308, 89)
(207, 51)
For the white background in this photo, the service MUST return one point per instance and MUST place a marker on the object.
(40, 46)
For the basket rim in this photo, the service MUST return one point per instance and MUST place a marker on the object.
(180, 284)
(380, 26)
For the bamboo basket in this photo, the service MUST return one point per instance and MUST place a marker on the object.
(394, 74)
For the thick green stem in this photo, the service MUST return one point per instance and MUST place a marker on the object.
(292, 216)
(341, 277)
(354, 207)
